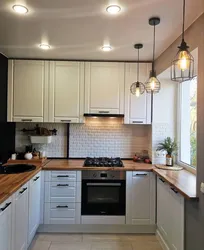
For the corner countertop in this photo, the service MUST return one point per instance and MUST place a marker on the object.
(183, 181)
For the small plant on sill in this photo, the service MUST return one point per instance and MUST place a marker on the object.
(170, 147)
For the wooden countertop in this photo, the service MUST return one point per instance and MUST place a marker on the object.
(183, 181)
(10, 183)
(129, 165)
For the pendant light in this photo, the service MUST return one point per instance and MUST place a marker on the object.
(138, 88)
(153, 85)
(183, 65)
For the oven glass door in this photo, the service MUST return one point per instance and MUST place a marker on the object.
(102, 197)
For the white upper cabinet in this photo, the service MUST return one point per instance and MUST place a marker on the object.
(66, 93)
(137, 109)
(104, 87)
(27, 91)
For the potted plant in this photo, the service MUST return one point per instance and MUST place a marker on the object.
(170, 147)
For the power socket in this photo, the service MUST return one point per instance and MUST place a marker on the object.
(202, 187)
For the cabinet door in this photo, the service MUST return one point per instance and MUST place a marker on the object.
(104, 87)
(5, 225)
(34, 206)
(163, 207)
(27, 91)
(140, 198)
(20, 219)
(177, 220)
(66, 92)
(137, 109)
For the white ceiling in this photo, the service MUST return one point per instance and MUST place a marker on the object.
(76, 29)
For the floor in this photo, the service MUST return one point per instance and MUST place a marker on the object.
(95, 242)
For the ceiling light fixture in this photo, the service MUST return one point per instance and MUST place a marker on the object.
(106, 48)
(44, 46)
(153, 85)
(113, 9)
(20, 9)
(138, 88)
(183, 65)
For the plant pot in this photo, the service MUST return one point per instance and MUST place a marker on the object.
(169, 160)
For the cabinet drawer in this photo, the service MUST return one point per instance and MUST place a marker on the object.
(66, 120)
(63, 176)
(60, 191)
(62, 210)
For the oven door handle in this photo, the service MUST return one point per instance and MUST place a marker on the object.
(104, 184)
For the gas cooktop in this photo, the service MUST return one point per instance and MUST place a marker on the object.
(103, 162)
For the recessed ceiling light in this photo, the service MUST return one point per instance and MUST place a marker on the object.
(113, 9)
(20, 9)
(44, 46)
(106, 48)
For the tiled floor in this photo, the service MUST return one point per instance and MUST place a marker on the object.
(95, 242)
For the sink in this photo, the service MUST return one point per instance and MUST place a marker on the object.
(16, 168)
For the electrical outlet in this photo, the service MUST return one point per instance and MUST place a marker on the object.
(202, 187)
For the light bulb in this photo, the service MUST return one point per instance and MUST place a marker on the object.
(184, 60)
(152, 83)
(137, 92)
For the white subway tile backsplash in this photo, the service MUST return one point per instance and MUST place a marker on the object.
(107, 138)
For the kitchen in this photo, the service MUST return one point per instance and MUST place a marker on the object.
(89, 193)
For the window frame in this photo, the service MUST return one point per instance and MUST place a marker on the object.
(179, 107)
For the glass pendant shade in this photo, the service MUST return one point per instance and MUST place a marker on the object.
(153, 85)
(182, 68)
(137, 88)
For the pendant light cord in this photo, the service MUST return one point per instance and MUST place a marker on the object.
(138, 66)
(154, 48)
(184, 13)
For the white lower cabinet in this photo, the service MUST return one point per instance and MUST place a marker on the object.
(63, 197)
(20, 219)
(140, 198)
(170, 215)
(5, 225)
(34, 206)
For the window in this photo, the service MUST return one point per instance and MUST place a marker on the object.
(188, 123)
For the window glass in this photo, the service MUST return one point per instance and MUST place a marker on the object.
(188, 128)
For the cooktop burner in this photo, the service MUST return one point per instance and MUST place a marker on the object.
(103, 162)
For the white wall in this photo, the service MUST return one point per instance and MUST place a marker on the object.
(165, 115)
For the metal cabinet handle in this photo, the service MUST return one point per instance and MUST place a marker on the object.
(141, 175)
(162, 180)
(62, 185)
(62, 207)
(6, 206)
(137, 122)
(66, 120)
(36, 178)
(24, 189)
(26, 120)
(175, 191)
(62, 176)
(104, 112)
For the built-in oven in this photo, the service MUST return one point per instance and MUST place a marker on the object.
(103, 192)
